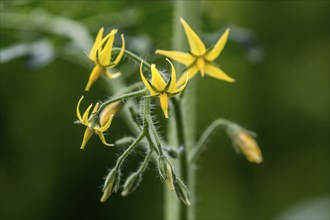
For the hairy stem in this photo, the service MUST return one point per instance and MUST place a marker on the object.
(200, 145)
(121, 98)
(132, 56)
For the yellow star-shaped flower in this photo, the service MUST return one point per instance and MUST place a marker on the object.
(104, 122)
(100, 54)
(158, 87)
(199, 58)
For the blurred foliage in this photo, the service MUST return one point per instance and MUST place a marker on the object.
(278, 52)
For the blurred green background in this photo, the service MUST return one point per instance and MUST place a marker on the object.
(278, 52)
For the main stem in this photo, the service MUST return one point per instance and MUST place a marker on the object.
(189, 10)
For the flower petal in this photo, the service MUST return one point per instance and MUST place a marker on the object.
(121, 53)
(146, 83)
(85, 116)
(96, 73)
(164, 103)
(217, 73)
(96, 107)
(105, 53)
(201, 66)
(106, 126)
(87, 135)
(191, 73)
(92, 54)
(102, 138)
(78, 111)
(172, 85)
(197, 47)
(216, 50)
(177, 90)
(156, 79)
(184, 58)
(112, 75)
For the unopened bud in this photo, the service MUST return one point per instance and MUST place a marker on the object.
(166, 172)
(244, 142)
(132, 182)
(111, 184)
(108, 111)
(181, 191)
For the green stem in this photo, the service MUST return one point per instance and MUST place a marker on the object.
(183, 155)
(145, 162)
(201, 143)
(120, 98)
(129, 149)
(189, 10)
(142, 134)
(152, 144)
(133, 56)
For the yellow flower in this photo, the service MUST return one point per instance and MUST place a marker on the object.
(158, 87)
(199, 58)
(104, 122)
(100, 54)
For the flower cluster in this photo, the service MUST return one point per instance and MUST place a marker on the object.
(161, 84)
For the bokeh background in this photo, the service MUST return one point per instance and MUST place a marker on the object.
(279, 53)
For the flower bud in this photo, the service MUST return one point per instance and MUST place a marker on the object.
(166, 172)
(108, 111)
(244, 142)
(181, 191)
(111, 184)
(132, 182)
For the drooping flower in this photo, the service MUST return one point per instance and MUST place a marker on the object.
(199, 58)
(104, 123)
(158, 87)
(244, 142)
(100, 54)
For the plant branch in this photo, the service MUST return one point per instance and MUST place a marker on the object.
(133, 56)
(201, 143)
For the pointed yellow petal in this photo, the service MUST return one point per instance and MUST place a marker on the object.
(96, 107)
(107, 125)
(156, 79)
(191, 73)
(87, 135)
(175, 91)
(121, 53)
(164, 104)
(217, 73)
(197, 47)
(146, 83)
(181, 57)
(92, 54)
(201, 65)
(173, 78)
(85, 116)
(96, 73)
(78, 111)
(105, 53)
(216, 50)
(102, 138)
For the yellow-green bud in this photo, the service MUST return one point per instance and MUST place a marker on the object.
(131, 183)
(244, 142)
(111, 184)
(166, 172)
(181, 191)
